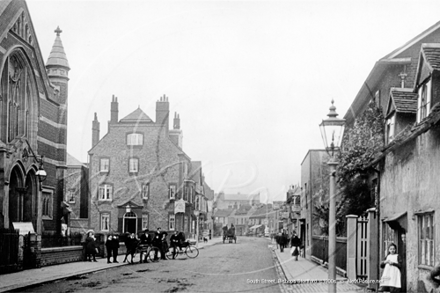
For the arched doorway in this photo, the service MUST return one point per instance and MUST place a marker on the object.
(30, 209)
(16, 196)
(130, 222)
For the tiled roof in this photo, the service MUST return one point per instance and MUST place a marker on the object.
(137, 116)
(411, 132)
(405, 100)
(432, 55)
(223, 213)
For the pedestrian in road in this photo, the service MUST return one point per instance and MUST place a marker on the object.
(109, 246)
(391, 274)
(278, 239)
(130, 244)
(164, 245)
(91, 247)
(115, 248)
(295, 244)
(145, 241)
(157, 243)
(175, 242)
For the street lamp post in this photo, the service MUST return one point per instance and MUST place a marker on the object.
(197, 213)
(332, 130)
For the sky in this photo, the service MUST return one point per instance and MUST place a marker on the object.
(251, 80)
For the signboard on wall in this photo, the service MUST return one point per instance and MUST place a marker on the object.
(179, 206)
(24, 227)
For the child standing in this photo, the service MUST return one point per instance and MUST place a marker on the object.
(391, 274)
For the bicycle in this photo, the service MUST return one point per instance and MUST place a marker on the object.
(147, 251)
(190, 250)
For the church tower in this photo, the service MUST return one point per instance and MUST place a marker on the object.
(57, 68)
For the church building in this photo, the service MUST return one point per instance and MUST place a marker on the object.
(33, 124)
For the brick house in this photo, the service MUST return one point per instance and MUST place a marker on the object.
(33, 120)
(314, 178)
(405, 85)
(76, 195)
(139, 174)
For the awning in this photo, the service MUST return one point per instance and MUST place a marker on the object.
(398, 221)
(255, 227)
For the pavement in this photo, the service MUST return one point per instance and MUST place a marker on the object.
(303, 275)
(299, 276)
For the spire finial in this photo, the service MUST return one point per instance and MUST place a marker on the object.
(58, 31)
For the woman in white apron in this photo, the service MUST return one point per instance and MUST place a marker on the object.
(391, 274)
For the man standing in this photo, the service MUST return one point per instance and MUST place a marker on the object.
(175, 242)
(164, 245)
(115, 247)
(145, 241)
(295, 243)
(157, 243)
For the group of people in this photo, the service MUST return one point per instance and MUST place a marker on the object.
(283, 240)
(157, 241)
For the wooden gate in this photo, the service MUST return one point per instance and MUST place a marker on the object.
(361, 248)
(9, 239)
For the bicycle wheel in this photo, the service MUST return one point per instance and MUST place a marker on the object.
(151, 252)
(192, 251)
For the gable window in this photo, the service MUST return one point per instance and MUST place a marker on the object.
(426, 239)
(172, 187)
(133, 165)
(134, 139)
(171, 222)
(144, 221)
(105, 222)
(424, 101)
(105, 192)
(145, 190)
(104, 165)
(390, 127)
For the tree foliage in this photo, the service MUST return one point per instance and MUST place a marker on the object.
(360, 144)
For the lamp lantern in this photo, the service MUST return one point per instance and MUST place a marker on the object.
(332, 130)
(41, 173)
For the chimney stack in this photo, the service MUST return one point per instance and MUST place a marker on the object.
(114, 112)
(163, 113)
(95, 131)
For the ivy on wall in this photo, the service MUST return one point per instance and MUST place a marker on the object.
(360, 145)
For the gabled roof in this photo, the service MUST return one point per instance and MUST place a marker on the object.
(413, 41)
(401, 55)
(402, 100)
(137, 116)
(72, 161)
(431, 53)
(223, 213)
(429, 61)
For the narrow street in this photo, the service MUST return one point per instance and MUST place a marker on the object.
(246, 266)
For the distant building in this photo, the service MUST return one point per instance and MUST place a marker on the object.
(235, 201)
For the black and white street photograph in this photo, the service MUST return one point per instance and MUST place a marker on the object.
(190, 146)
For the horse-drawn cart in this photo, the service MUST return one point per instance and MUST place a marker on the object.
(229, 234)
